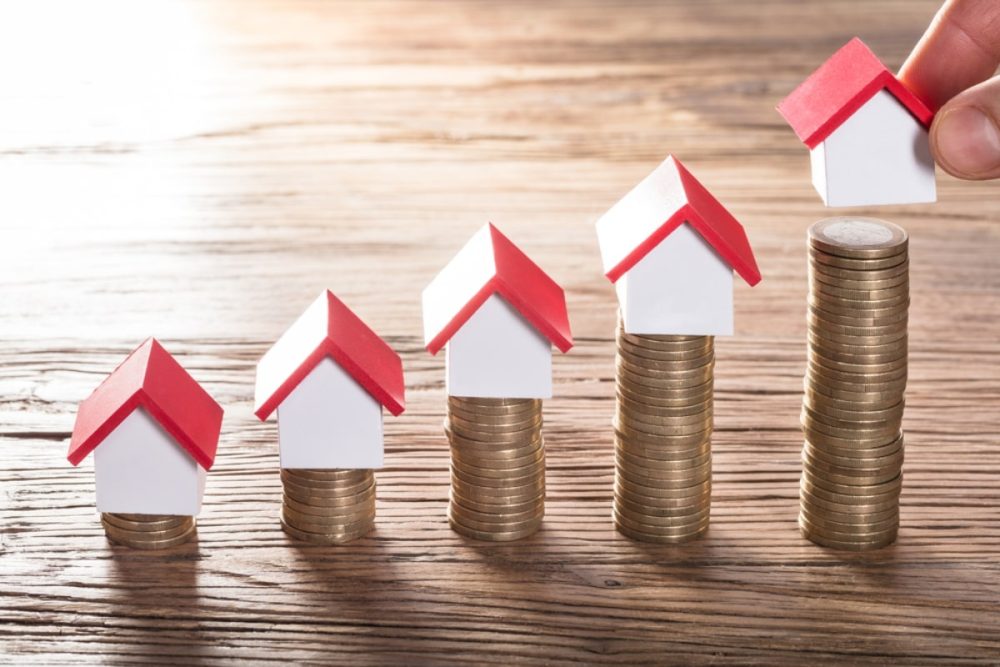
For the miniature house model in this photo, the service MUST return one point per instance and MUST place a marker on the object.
(498, 316)
(328, 377)
(670, 248)
(153, 431)
(866, 132)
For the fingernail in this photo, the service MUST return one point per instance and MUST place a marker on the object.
(968, 141)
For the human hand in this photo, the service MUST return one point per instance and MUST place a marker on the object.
(950, 69)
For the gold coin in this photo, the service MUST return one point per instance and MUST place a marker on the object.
(874, 507)
(497, 515)
(665, 343)
(326, 525)
(637, 462)
(866, 452)
(476, 460)
(667, 533)
(859, 545)
(662, 442)
(870, 520)
(817, 323)
(858, 238)
(148, 540)
(632, 424)
(309, 476)
(520, 446)
(494, 536)
(487, 509)
(636, 506)
(320, 513)
(155, 522)
(847, 535)
(495, 504)
(501, 439)
(499, 407)
(857, 317)
(494, 523)
(850, 494)
(143, 518)
(333, 537)
(534, 469)
(703, 354)
(630, 405)
(315, 488)
(857, 460)
(662, 453)
(826, 261)
(326, 501)
(499, 494)
(133, 536)
(658, 488)
(487, 402)
(860, 278)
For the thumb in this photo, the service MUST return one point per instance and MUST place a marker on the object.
(965, 136)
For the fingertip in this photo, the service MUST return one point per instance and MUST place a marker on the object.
(965, 141)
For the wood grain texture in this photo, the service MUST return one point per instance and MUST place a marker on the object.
(200, 171)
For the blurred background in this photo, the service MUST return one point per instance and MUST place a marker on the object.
(201, 170)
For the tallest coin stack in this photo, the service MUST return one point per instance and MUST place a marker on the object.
(853, 406)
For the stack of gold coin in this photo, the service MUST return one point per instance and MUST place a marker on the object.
(497, 467)
(148, 531)
(327, 506)
(663, 435)
(856, 377)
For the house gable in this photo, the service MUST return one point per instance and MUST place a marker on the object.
(330, 421)
(498, 354)
(140, 469)
(681, 287)
(880, 155)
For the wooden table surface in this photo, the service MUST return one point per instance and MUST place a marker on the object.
(200, 171)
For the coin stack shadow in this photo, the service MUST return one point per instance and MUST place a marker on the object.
(663, 436)
(497, 467)
(327, 506)
(855, 381)
(148, 531)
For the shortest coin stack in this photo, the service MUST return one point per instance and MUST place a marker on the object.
(663, 436)
(148, 531)
(853, 406)
(497, 467)
(327, 506)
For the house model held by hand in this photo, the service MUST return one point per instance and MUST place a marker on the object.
(154, 433)
(866, 132)
(328, 377)
(498, 315)
(671, 248)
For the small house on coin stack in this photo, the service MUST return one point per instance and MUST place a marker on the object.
(865, 130)
(670, 248)
(154, 433)
(328, 378)
(497, 315)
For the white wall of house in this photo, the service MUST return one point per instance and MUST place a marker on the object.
(330, 421)
(140, 469)
(681, 287)
(880, 155)
(499, 354)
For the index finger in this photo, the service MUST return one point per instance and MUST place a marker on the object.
(960, 49)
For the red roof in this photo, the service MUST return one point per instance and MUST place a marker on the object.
(152, 379)
(491, 264)
(328, 328)
(831, 94)
(662, 202)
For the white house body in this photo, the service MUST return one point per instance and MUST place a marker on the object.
(329, 421)
(681, 286)
(498, 354)
(140, 469)
(880, 155)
